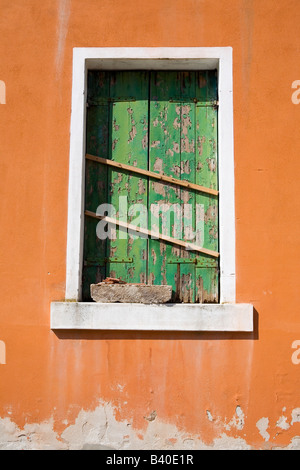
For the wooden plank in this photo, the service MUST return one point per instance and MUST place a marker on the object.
(95, 176)
(207, 280)
(188, 168)
(153, 234)
(128, 143)
(164, 158)
(152, 174)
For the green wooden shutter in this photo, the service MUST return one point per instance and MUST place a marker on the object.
(165, 122)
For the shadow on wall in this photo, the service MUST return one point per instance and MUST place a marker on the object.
(161, 335)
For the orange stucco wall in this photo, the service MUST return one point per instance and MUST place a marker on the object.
(243, 388)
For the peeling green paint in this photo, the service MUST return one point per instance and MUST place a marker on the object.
(164, 122)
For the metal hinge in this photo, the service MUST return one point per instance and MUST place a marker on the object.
(208, 263)
(106, 101)
(205, 104)
(103, 261)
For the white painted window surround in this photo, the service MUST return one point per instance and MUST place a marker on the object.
(226, 316)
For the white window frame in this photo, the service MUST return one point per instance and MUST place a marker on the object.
(182, 58)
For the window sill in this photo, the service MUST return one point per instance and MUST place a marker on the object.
(141, 317)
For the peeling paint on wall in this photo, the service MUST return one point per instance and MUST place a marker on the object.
(99, 430)
(262, 425)
(295, 416)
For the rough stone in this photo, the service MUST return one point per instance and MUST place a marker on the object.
(131, 293)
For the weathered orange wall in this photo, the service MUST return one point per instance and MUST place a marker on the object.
(193, 381)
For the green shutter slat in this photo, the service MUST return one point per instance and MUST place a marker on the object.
(188, 198)
(164, 157)
(207, 280)
(97, 142)
(129, 144)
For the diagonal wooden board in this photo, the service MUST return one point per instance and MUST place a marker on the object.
(152, 174)
(151, 233)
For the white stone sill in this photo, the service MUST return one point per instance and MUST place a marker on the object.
(141, 317)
